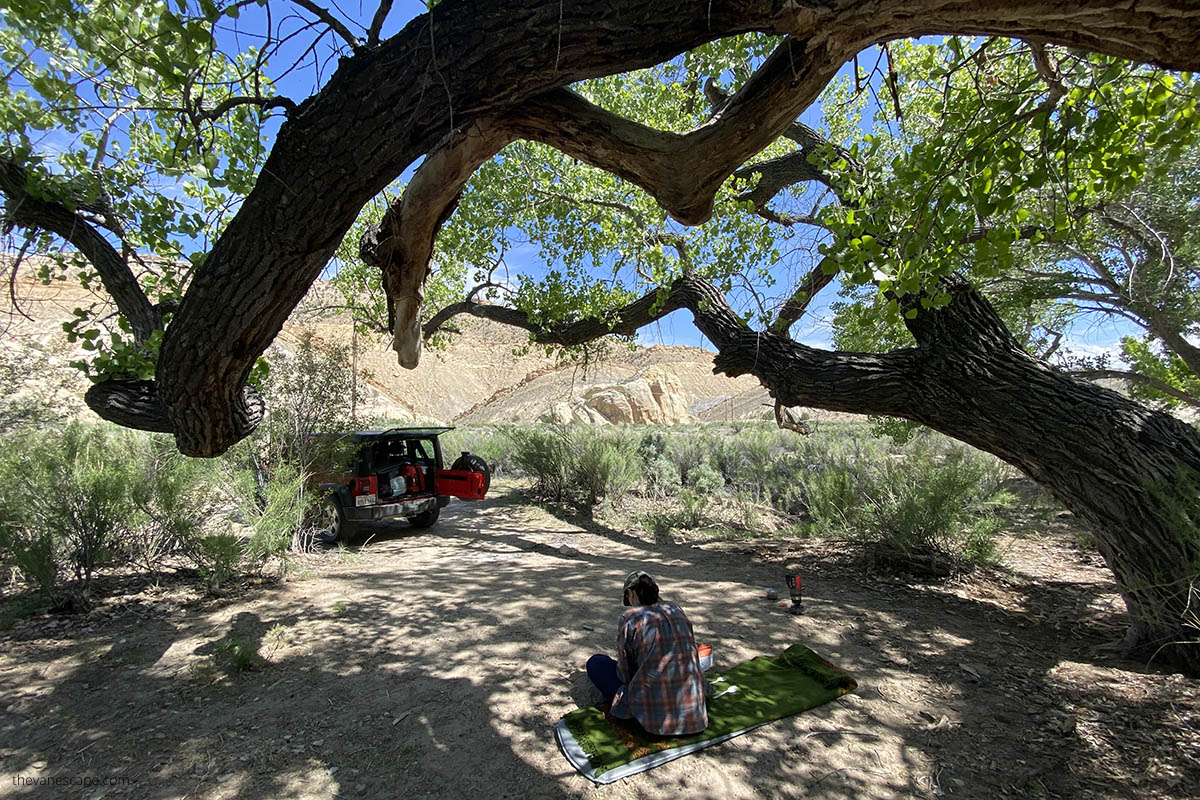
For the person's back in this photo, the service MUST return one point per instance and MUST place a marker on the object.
(656, 679)
(665, 690)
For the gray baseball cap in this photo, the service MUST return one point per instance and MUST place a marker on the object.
(630, 580)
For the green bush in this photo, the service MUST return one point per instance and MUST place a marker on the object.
(34, 555)
(662, 477)
(307, 390)
(652, 446)
(927, 507)
(688, 450)
(240, 653)
(659, 523)
(748, 459)
(606, 467)
(177, 497)
(576, 464)
(67, 501)
(218, 556)
(833, 498)
(492, 443)
(546, 456)
(692, 506)
(24, 406)
(278, 521)
(705, 479)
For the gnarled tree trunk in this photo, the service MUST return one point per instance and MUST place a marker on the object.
(1130, 472)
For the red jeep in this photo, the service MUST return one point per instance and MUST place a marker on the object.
(394, 473)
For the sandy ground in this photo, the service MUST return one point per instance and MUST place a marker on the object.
(436, 663)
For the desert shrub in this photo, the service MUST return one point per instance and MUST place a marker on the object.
(692, 505)
(790, 496)
(748, 511)
(653, 445)
(92, 496)
(67, 502)
(605, 467)
(662, 476)
(279, 520)
(177, 497)
(781, 485)
(575, 464)
(492, 443)
(546, 456)
(688, 451)
(932, 510)
(240, 653)
(747, 460)
(218, 556)
(659, 523)
(33, 554)
(705, 479)
(833, 498)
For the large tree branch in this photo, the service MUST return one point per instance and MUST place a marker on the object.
(624, 321)
(777, 174)
(796, 305)
(401, 244)
(136, 404)
(26, 211)
(386, 106)
(682, 171)
(381, 13)
(797, 375)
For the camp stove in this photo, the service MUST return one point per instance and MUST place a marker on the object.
(794, 589)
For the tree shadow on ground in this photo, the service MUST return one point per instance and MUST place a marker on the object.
(436, 663)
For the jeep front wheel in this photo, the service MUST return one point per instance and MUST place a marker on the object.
(425, 518)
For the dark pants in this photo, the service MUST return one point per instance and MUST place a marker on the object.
(603, 672)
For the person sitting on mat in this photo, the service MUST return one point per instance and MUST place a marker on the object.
(656, 679)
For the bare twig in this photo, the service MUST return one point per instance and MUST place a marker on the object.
(230, 103)
(12, 277)
(334, 24)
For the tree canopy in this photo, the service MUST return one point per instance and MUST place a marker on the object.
(190, 110)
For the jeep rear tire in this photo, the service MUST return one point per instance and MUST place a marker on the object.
(332, 525)
(425, 518)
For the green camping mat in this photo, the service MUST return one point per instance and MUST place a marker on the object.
(745, 697)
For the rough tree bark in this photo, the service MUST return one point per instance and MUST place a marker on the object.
(386, 106)
(1129, 472)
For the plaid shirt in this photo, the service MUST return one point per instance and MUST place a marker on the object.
(663, 686)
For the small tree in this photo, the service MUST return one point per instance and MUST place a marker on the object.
(309, 390)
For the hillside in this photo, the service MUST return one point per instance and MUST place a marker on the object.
(485, 375)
